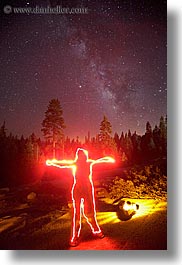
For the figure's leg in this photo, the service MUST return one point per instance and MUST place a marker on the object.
(89, 213)
(76, 221)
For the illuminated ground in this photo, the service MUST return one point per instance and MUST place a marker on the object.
(146, 230)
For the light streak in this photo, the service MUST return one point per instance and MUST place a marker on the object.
(73, 165)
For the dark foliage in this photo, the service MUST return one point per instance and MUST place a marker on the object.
(147, 181)
(22, 160)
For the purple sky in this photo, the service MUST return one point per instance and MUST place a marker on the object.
(109, 61)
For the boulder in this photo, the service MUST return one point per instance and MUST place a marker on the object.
(31, 196)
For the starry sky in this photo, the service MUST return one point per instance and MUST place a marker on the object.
(111, 60)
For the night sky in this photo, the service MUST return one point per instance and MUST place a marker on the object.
(109, 61)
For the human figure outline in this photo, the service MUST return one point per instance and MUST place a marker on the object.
(82, 191)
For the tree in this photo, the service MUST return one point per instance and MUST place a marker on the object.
(122, 140)
(53, 123)
(105, 138)
(147, 143)
(163, 127)
(3, 130)
(117, 140)
(105, 130)
(157, 139)
(148, 128)
(129, 133)
(136, 141)
(163, 134)
(128, 146)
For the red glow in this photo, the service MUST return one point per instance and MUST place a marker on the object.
(82, 168)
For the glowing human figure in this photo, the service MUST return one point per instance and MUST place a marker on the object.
(82, 191)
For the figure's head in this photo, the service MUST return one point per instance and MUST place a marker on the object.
(81, 154)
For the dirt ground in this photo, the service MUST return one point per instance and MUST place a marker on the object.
(35, 222)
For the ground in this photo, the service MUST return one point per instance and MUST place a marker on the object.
(35, 223)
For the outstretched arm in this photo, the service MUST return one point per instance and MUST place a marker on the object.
(106, 159)
(60, 163)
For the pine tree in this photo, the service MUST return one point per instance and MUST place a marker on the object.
(117, 140)
(129, 133)
(147, 143)
(53, 123)
(105, 130)
(122, 140)
(136, 140)
(163, 127)
(35, 146)
(105, 138)
(128, 146)
(163, 134)
(148, 128)
(156, 136)
(3, 130)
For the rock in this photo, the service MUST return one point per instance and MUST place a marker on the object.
(9, 222)
(31, 196)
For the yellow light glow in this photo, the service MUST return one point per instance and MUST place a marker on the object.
(130, 207)
(107, 217)
(148, 206)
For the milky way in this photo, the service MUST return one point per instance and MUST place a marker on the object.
(110, 61)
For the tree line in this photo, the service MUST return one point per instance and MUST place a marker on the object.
(23, 159)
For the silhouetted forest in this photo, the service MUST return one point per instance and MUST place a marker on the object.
(22, 160)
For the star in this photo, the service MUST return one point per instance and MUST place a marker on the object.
(110, 61)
